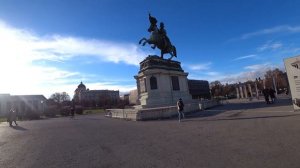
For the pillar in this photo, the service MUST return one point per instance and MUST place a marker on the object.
(245, 91)
(241, 92)
(250, 90)
(237, 92)
(256, 90)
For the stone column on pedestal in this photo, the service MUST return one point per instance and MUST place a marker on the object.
(250, 90)
(241, 92)
(256, 90)
(245, 91)
(237, 93)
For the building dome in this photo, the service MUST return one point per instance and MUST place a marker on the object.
(81, 85)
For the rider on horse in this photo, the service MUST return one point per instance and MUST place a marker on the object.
(159, 38)
(163, 33)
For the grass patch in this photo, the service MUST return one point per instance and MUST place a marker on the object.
(94, 111)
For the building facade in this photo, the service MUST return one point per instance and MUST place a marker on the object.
(292, 66)
(199, 89)
(24, 104)
(83, 95)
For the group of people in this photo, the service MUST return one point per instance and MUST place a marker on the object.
(269, 94)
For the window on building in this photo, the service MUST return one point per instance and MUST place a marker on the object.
(175, 82)
(153, 83)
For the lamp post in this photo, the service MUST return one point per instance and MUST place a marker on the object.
(259, 83)
(274, 83)
(42, 102)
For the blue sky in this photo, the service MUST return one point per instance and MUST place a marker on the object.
(51, 45)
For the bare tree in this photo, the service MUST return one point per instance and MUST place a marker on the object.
(279, 77)
(60, 97)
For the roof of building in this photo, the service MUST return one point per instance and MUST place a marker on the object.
(81, 85)
(39, 97)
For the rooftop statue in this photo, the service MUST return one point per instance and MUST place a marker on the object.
(159, 38)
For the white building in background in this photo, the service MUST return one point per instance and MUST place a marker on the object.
(292, 66)
(22, 103)
(82, 94)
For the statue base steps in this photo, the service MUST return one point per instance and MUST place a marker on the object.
(138, 113)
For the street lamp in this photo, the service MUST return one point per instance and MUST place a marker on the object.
(257, 96)
(42, 102)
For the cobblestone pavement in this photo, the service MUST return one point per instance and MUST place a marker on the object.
(239, 134)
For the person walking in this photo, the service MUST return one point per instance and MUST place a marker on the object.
(250, 96)
(12, 116)
(266, 95)
(272, 93)
(180, 108)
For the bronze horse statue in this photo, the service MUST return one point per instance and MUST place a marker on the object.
(159, 39)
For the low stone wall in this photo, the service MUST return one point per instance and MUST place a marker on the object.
(159, 112)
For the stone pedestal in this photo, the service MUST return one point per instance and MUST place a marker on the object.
(161, 82)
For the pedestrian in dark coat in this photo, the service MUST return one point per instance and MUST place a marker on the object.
(266, 95)
(272, 93)
(180, 108)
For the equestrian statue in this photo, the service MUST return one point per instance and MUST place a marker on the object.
(159, 39)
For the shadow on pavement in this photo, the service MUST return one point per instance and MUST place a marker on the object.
(242, 118)
(239, 106)
(255, 104)
(19, 128)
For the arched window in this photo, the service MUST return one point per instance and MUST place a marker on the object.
(153, 83)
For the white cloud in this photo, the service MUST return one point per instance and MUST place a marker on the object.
(252, 72)
(20, 48)
(245, 57)
(258, 66)
(270, 46)
(207, 75)
(277, 29)
(204, 66)
(212, 73)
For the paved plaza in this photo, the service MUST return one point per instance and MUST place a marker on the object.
(239, 134)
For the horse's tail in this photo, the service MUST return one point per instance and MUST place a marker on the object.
(174, 51)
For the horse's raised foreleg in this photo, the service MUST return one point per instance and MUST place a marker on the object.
(145, 43)
(143, 39)
(171, 57)
(162, 54)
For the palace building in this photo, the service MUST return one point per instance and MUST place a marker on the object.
(84, 95)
